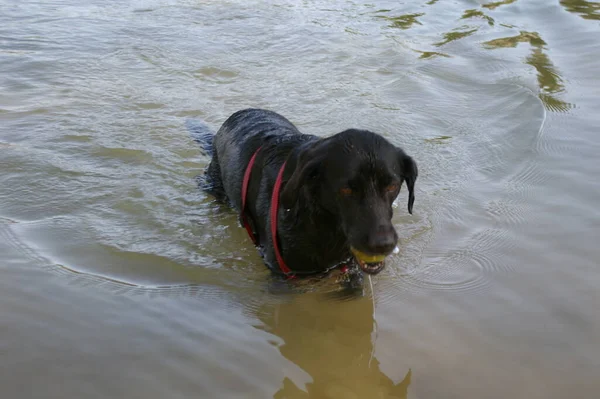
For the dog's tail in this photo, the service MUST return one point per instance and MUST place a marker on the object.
(202, 134)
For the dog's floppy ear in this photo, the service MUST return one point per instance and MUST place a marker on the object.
(409, 169)
(306, 166)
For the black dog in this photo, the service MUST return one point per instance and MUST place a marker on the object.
(333, 196)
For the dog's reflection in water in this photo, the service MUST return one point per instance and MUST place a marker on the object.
(331, 340)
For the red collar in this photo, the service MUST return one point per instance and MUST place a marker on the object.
(245, 183)
(274, 210)
(273, 214)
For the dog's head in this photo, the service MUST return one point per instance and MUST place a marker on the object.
(355, 175)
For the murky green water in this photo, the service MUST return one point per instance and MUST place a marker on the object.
(120, 279)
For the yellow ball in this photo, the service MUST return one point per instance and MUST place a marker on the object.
(365, 258)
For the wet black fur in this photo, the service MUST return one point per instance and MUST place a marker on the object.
(317, 221)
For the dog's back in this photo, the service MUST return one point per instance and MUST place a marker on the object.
(234, 144)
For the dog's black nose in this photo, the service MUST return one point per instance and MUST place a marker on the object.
(383, 240)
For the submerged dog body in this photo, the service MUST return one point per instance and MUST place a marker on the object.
(336, 193)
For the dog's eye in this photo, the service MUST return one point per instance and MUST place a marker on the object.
(392, 188)
(345, 191)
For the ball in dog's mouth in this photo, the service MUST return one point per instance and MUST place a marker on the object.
(371, 264)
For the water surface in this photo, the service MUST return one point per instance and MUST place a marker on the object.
(119, 278)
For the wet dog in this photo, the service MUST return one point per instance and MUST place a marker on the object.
(310, 203)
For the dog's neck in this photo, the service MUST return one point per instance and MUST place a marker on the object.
(313, 243)
(311, 237)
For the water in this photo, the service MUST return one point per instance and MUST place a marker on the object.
(119, 278)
